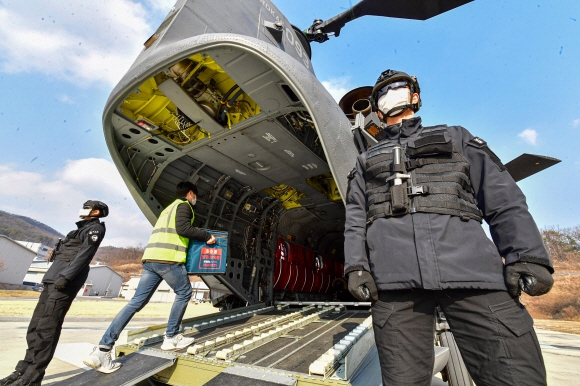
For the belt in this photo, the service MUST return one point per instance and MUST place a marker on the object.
(162, 262)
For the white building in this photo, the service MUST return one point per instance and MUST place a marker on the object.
(164, 293)
(40, 249)
(102, 280)
(15, 260)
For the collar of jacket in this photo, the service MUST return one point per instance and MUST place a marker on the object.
(404, 129)
(83, 223)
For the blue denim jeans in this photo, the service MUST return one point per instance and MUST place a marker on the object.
(153, 273)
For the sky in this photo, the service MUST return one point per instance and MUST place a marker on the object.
(505, 70)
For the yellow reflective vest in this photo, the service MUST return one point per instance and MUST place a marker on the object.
(164, 243)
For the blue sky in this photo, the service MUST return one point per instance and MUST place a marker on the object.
(505, 70)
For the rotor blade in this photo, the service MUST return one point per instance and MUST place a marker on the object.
(409, 9)
(529, 164)
(404, 9)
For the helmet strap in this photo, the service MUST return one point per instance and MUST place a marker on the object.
(402, 108)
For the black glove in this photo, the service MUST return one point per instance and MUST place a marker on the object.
(533, 279)
(60, 283)
(362, 286)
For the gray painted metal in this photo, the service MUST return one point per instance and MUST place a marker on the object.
(369, 371)
(358, 353)
(332, 125)
(441, 358)
(237, 55)
(135, 368)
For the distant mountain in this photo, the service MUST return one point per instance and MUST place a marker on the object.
(27, 229)
(125, 261)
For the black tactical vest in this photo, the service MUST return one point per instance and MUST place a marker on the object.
(68, 248)
(435, 178)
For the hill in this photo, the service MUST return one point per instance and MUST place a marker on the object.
(125, 261)
(25, 228)
(563, 301)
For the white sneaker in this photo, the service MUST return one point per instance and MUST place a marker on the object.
(176, 342)
(101, 361)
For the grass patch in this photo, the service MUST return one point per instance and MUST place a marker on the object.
(561, 303)
(19, 294)
(104, 309)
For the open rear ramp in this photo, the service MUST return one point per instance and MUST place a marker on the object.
(136, 367)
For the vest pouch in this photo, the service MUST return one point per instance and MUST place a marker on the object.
(399, 199)
(438, 143)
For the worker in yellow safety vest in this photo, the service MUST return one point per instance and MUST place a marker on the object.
(164, 259)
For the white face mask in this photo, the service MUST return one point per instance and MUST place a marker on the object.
(393, 98)
(193, 202)
(84, 213)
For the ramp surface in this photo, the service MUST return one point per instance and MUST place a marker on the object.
(244, 376)
(135, 368)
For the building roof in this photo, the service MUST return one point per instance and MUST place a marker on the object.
(94, 266)
(17, 243)
(37, 247)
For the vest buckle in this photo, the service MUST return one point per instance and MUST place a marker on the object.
(417, 190)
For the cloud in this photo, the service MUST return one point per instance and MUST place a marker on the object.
(576, 122)
(162, 6)
(529, 135)
(56, 199)
(337, 87)
(83, 42)
(65, 99)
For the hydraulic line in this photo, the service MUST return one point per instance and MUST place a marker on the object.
(229, 105)
(224, 101)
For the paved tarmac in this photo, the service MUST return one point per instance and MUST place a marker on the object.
(561, 351)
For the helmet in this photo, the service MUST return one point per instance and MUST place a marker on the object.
(94, 204)
(390, 76)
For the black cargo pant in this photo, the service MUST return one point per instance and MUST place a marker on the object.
(493, 331)
(44, 330)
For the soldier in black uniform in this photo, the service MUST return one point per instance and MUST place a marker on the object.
(414, 241)
(62, 282)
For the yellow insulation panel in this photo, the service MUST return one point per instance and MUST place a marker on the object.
(206, 83)
(287, 195)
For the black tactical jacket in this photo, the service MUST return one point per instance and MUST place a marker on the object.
(86, 239)
(435, 251)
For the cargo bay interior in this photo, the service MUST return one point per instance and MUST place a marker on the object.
(228, 122)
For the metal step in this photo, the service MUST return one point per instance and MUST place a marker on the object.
(135, 368)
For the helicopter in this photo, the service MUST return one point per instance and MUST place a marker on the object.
(224, 95)
(236, 108)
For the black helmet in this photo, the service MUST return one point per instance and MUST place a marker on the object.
(94, 204)
(390, 76)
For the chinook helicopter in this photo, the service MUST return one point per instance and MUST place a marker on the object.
(224, 95)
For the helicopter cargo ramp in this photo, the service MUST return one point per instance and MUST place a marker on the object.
(312, 344)
(135, 367)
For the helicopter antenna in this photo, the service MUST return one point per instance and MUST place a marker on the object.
(320, 30)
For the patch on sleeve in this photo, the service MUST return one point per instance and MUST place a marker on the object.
(351, 174)
(477, 142)
(94, 236)
(481, 144)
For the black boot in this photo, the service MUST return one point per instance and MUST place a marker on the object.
(10, 379)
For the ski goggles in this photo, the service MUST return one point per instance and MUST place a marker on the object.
(392, 86)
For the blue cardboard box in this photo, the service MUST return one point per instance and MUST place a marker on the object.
(204, 258)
